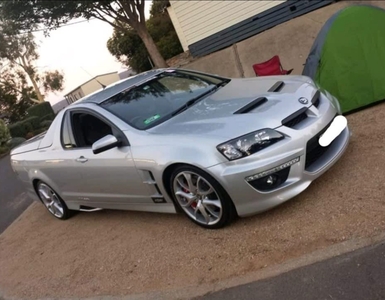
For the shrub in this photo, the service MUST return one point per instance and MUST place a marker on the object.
(35, 122)
(46, 124)
(38, 131)
(4, 133)
(48, 117)
(20, 129)
(3, 149)
(40, 110)
(15, 142)
(29, 135)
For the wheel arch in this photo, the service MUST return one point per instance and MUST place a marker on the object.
(34, 183)
(166, 177)
(36, 176)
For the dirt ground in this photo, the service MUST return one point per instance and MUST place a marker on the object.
(121, 253)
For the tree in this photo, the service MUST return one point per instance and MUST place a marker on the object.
(28, 14)
(158, 7)
(18, 52)
(53, 81)
(128, 48)
(4, 133)
(13, 106)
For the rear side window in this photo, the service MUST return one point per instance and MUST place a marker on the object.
(67, 138)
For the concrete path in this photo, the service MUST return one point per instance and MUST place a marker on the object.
(13, 199)
(356, 275)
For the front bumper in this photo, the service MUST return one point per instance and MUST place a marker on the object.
(248, 200)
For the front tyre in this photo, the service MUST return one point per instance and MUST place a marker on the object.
(52, 201)
(201, 197)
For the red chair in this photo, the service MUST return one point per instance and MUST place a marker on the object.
(271, 67)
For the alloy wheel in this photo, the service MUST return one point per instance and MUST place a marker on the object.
(198, 198)
(50, 200)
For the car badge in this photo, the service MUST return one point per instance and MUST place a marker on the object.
(303, 100)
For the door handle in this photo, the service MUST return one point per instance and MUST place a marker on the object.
(82, 159)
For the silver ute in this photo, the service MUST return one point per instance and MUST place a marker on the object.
(175, 140)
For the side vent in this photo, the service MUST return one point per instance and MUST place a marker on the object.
(276, 87)
(250, 106)
(157, 196)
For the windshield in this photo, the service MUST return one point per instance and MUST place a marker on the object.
(157, 100)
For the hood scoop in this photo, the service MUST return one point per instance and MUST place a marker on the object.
(250, 106)
(295, 118)
(276, 87)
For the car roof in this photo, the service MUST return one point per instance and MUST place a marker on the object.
(103, 94)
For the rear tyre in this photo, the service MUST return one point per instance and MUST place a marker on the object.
(52, 201)
(201, 198)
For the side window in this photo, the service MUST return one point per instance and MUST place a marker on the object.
(87, 129)
(67, 138)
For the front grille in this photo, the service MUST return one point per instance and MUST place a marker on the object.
(295, 121)
(314, 150)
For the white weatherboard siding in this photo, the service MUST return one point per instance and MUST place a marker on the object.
(196, 20)
(178, 28)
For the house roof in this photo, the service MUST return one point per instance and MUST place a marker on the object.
(97, 76)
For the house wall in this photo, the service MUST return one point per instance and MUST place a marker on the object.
(195, 20)
(75, 95)
(291, 40)
(126, 73)
(177, 26)
(93, 84)
(58, 106)
(204, 27)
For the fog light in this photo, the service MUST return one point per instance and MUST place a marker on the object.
(273, 178)
(270, 180)
(273, 170)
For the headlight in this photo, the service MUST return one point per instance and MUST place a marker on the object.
(249, 143)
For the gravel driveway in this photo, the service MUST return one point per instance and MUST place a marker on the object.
(120, 253)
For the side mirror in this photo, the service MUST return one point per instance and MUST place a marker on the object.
(106, 143)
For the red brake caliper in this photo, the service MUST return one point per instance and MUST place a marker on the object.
(194, 204)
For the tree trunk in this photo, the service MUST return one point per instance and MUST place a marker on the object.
(151, 47)
(36, 88)
(39, 95)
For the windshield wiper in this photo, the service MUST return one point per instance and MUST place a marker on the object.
(192, 101)
(185, 106)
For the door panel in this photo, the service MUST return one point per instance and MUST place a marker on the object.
(111, 177)
(60, 169)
